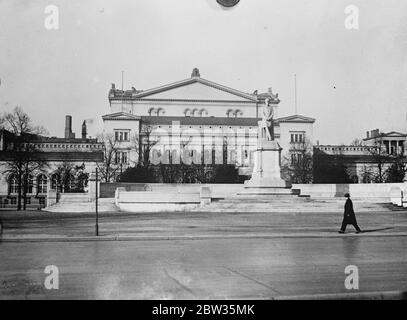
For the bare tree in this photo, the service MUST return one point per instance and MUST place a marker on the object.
(379, 157)
(109, 167)
(357, 143)
(297, 167)
(23, 156)
(143, 143)
(397, 170)
(367, 174)
(71, 177)
(19, 123)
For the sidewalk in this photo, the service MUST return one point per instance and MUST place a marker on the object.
(375, 295)
(123, 237)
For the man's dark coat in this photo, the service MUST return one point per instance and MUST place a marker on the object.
(349, 215)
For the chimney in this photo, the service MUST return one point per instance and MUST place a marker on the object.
(84, 130)
(113, 86)
(367, 134)
(271, 90)
(68, 127)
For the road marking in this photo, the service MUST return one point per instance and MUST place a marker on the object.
(252, 279)
(179, 283)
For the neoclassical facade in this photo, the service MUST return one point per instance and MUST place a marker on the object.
(197, 121)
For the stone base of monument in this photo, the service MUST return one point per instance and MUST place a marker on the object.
(266, 171)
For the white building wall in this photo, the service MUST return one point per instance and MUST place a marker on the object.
(178, 108)
(285, 129)
(133, 127)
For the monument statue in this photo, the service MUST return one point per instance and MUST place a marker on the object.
(266, 124)
(266, 174)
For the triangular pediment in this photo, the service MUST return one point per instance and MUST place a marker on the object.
(394, 134)
(120, 116)
(296, 118)
(195, 89)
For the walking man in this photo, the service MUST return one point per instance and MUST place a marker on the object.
(349, 216)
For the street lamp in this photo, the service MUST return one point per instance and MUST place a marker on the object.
(96, 204)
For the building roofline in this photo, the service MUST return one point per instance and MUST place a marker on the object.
(296, 118)
(120, 116)
(387, 134)
(116, 94)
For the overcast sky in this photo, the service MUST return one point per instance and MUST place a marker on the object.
(349, 80)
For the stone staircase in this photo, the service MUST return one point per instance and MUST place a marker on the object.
(73, 198)
(245, 200)
(80, 204)
(288, 200)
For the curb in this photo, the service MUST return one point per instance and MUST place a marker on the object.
(202, 237)
(374, 295)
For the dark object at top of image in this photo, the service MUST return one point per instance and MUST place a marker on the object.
(228, 3)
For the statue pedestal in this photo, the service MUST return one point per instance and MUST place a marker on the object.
(266, 171)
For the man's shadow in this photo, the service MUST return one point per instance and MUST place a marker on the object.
(373, 230)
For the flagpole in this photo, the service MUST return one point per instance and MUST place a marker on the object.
(295, 93)
(122, 89)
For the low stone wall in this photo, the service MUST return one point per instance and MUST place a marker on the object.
(107, 190)
(157, 200)
(377, 192)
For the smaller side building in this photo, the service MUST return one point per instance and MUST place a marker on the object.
(361, 162)
(63, 164)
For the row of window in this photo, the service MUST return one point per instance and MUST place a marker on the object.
(64, 146)
(234, 113)
(68, 183)
(27, 200)
(41, 184)
(122, 135)
(196, 112)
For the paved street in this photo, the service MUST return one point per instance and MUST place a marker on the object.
(199, 255)
(199, 269)
(44, 224)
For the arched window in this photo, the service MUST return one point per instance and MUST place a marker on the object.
(29, 183)
(42, 183)
(202, 111)
(56, 182)
(160, 110)
(229, 112)
(194, 112)
(150, 111)
(187, 112)
(237, 113)
(70, 183)
(13, 184)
